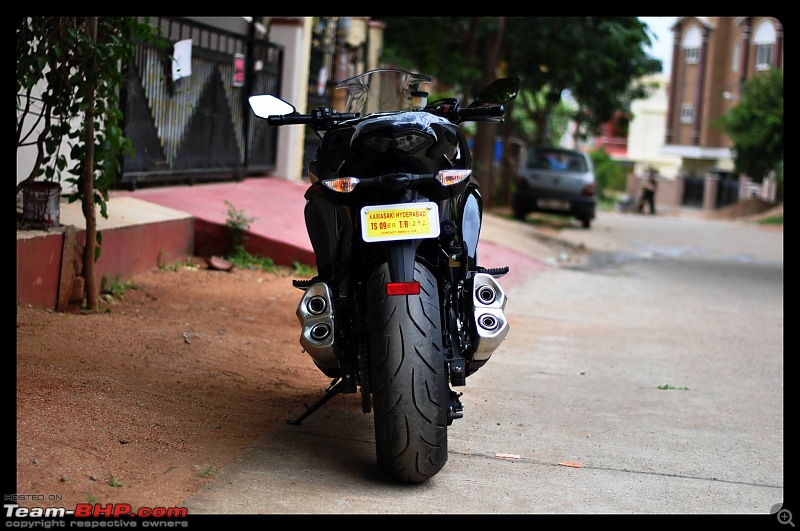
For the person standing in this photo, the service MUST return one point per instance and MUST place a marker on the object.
(648, 197)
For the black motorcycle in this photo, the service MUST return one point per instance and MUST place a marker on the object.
(400, 308)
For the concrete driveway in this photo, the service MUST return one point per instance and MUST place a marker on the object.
(643, 374)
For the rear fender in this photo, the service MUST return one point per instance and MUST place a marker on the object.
(401, 255)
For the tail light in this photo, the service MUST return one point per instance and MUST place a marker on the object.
(402, 288)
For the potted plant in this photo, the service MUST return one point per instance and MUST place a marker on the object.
(41, 204)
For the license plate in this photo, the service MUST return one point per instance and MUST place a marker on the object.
(554, 204)
(405, 221)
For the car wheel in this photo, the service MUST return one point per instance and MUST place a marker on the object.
(586, 223)
(520, 214)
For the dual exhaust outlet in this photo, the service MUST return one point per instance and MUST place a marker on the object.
(315, 313)
(316, 316)
(489, 302)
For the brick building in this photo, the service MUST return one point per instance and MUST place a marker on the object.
(712, 58)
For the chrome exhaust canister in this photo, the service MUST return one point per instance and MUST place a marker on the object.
(315, 313)
(489, 301)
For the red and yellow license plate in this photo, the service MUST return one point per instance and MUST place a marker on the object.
(403, 221)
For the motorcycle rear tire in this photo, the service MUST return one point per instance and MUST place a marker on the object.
(408, 378)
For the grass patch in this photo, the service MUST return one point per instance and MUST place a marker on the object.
(303, 270)
(112, 481)
(238, 223)
(772, 220)
(116, 287)
(672, 388)
(609, 202)
(543, 219)
(207, 472)
(177, 266)
(244, 260)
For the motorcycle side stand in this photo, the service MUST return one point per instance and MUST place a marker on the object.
(337, 386)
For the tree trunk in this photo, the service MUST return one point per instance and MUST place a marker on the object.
(88, 190)
(510, 161)
(482, 164)
(484, 137)
(541, 128)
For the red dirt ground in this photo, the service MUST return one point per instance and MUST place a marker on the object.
(141, 403)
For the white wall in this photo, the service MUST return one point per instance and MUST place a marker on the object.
(646, 133)
(26, 155)
(295, 36)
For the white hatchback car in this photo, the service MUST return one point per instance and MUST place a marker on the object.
(556, 181)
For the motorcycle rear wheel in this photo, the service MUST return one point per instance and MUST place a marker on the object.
(408, 378)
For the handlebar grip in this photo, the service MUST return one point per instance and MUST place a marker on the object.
(314, 119)
(289, 119)
(485, 111)
(347, 115)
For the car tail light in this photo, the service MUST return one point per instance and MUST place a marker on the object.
(588, 190)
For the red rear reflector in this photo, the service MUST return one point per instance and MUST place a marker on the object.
(402, 288)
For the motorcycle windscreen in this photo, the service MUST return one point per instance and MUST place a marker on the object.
(382, 90)
(404, 221)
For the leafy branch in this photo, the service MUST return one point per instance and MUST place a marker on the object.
(71, 72)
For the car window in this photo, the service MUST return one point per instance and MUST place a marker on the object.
(576, 163)
(538, 161)
(542, 159)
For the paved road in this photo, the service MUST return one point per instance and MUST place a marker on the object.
(644, 377)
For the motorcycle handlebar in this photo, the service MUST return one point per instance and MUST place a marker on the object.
(488, 111)
(314, 119)
(324, 118)
(289, 119)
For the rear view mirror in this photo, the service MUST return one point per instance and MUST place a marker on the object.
(265, 105)
(499, 91)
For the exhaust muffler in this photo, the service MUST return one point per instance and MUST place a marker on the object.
(315, 313)
(489, 302)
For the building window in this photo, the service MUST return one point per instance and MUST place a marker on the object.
(691, 56)
(687, 114)
(763, 56)
(764, 38)
(735, 56)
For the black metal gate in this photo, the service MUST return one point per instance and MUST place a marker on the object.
(727, 190)
(199, 127)
(693, 191)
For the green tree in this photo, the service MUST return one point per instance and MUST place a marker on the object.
(464, 53)
(599, 60)
(609, 175)
(69, 74)
(535, 128)
(451, 52)
(755, 127)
